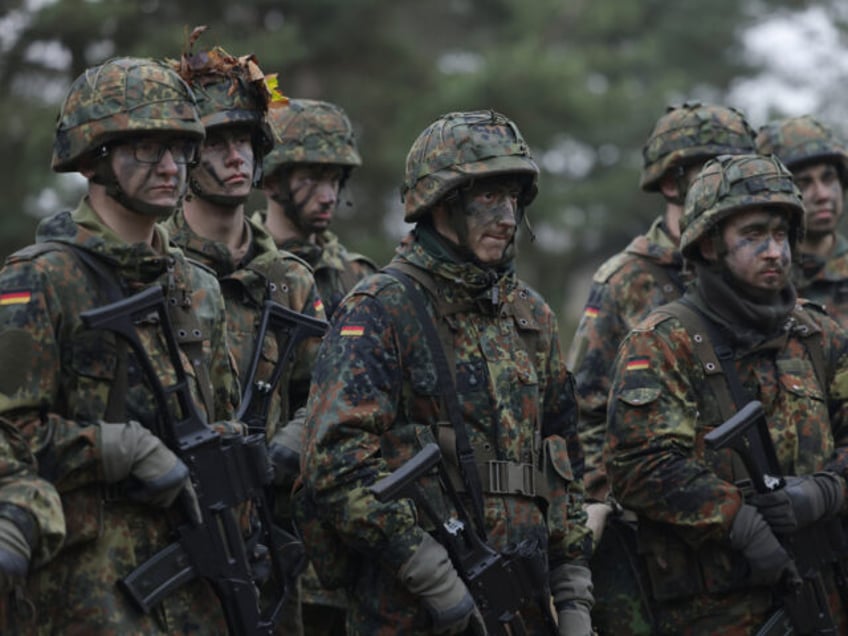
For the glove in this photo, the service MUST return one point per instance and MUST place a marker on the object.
(285, 447)
(801, 502)
(596, 520)
(130, 450)
(769, 562)
(571, 588)
(430, 575)
(15, 553)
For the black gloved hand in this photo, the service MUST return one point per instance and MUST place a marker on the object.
(752, 536)
(802, 501)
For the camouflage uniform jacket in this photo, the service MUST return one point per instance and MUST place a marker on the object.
(60, 389)
(662, 405)
(374, 404)
(265, 273)
(827, 284)
(624, 290)
(336, 269)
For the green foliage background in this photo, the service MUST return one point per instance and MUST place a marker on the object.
(585, 81)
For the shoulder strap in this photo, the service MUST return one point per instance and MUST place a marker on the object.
(444, 377)
(669, 280)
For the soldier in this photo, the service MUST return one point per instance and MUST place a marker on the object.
(738, 334)
(32, 526)
(233, 97)
(648, 273)
(375, 399)
(818, 160)
(313, 157)
(130, 127)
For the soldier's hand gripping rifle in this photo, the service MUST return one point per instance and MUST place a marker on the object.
(501, 583)
(805, 608)
(226, 471)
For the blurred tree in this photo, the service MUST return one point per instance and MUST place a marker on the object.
(584, 80)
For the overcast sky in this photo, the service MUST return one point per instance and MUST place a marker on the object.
(807, 69)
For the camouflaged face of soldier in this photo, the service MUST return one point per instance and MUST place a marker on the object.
(123, 96)
(730, 183)
(459, 147)
(691, 133)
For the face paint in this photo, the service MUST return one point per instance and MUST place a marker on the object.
(491, 212)
(314, 196)
(758, 249)
(226, 164)
(158, 184)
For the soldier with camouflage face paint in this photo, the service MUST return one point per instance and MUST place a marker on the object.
(131, 127)
(314, 154)
(646, 274)
(233, 98)
(374, 400)
(818, 160)
(738, 334)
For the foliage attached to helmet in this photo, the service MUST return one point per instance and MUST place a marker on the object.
(692, 133)
(230, 90)
(729, 184)
(119, 98)
(311, 131)
(801, 141)
(458, 148)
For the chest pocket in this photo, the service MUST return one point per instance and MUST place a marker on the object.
(797, 376)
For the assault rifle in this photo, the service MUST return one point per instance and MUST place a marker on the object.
(226, 471)
(501, 583)
(805, 609)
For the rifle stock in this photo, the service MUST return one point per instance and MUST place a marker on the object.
(226, 472)
(805, 606)
(501, 583)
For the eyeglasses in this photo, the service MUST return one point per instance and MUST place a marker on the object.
(149, 151)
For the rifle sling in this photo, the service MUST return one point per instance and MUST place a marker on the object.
(465, 454)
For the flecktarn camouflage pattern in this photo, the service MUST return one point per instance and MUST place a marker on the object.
(802, 140)
(691, 133)
(230, 90)
(730, 183)
(373, 405)
(59, 393)
(311, 131)
(799, 142)
(123, 96)
(459, 147)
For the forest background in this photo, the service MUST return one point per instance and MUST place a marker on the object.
(585, 80)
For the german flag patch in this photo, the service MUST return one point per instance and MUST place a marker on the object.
(318, 306)
(352, 331)
(637, 364)
(590, 312)
(15, 298)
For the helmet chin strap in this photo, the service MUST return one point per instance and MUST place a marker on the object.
(105, 176)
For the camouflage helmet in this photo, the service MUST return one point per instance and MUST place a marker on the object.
(459, 147)
(120, 97)
(691, 133)
(802, 140)
(311, 131)
(229, 91)
(728, 184)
